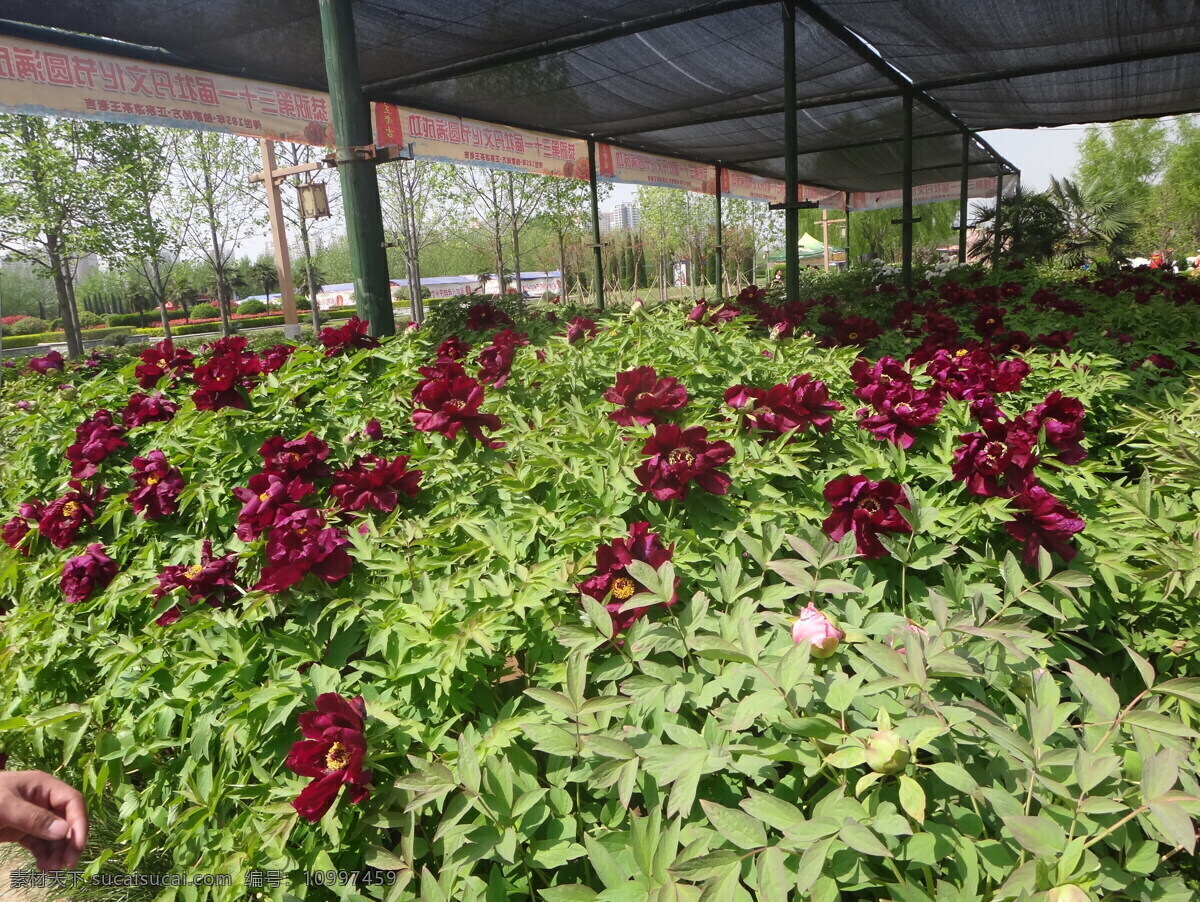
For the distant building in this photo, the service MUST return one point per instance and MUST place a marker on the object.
(622, 217)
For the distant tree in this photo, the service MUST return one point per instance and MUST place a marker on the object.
(292, 154)
(1031, 228)
(412, 195)
(566, 210)
(1099, 223)
(264, 273)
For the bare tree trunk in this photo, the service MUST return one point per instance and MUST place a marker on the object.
(311, 278)
(516, 235)
(58, 273)
(72, 308)
(160, 295)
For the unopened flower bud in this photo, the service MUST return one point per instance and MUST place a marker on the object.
(887, 753)
(818, 631)
(1068, 892)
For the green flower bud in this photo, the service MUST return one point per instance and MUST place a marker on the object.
(887, 753)
(1068, 892)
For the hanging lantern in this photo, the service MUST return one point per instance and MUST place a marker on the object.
(314, 202)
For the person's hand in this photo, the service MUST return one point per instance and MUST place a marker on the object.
(44, 815)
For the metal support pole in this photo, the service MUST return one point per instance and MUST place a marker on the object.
(847, 218)
(963, 200)
(907, 225)
(360, 184)
(720, 239)
(791, 216)
(997, 220)
(597, 256)
(283, 261)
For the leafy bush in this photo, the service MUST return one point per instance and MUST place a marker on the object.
(141, 319)
(89, 320)
(979, 722)
(303, 304)
(21, 341)
(29, 325)
(205, 311)
(251, 307)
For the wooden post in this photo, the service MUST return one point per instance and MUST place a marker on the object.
(283, 262)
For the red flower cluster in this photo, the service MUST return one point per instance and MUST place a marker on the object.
(854, 330)
(900, 413)
(85, 573)
(350, 337)
(867, 509)
(211, 581)
(158, 359)
(495, 361)
(969, 374)
(223, 380)
(96, 438)
(581, 328)
(453, 348)
(1061, 420)
(303, 457)
(157, 485)
(677, 457)
(998, 460)
(989, 320)
(269, 498)
(15, 529)
(332, 753)
(52, 361)
(374, 483)
(276, 356)
(642, 396)
(143, 409)
(1042, 521)
(484, 317)
(612, 585)
(301, 542)
(792, 407)
(62, 518)
(447, 404)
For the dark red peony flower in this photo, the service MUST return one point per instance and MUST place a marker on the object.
(1062, 419)
(495, 361)
(876, 380)
(350, 337)
(85, 573)
(276, 356)
(453, 348)
(984, 408)
(61, 519)
(1042, 521)
(374, 483)
(447, 405)
(483, 317)
(15, 529)
(581, 328)
(228, 374)
(304, 457)
(443, 368)
(642, 396)
(794, 406)
(373, 430)
(996, 461)
(612, 585)
(677, 457)
(269, 499)
(96, 439)
(332, 753)
(707, 314)
(1060, 339)
(989, 320)
(52, 361)
(867, 508)
(158, 359)
(211, 581)
(900, 413)
(143, 409)
(1162, 361)
(301, 542)
(856, 330)
(157, 485)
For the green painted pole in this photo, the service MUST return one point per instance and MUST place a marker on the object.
(597, 256)
(997, 222)
(906, 226)
(720, 240)
(963, 199)
(360, 186)
(791, 215)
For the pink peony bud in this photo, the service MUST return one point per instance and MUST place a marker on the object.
(818, 631)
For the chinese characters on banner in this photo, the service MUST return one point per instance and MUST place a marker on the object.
(44, 79)
(745, 186)
(616, 164)
(450, 139)
(927, 194)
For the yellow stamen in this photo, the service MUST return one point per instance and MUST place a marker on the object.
(622, 588)
(70, 509)
(193, 571)
(338, 757)
(681, 456)
(152, 480)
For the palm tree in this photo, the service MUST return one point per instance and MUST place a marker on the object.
(1031, 228)
(1099, 223)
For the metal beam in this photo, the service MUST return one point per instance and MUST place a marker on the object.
(597, 255)
(720, 248)
(963, 199)
(996, 222)
(791, 216)
(587, 38)
(874, 142)
(906, 226)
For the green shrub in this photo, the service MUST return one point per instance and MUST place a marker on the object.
(205, 311)
(251, 307)
(303, 304)
(20, 341)
(88, 320)
(29, 325)
(142, 319)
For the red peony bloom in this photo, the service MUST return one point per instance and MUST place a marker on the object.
(304, 457)
(867, 508)
(900, 413)
(856, 330)
(374, 483)
(96, 438)
(1058, 340)
(495, 361)
(641, 395)
(792, 407)
(1043, 521)
(985, 408)
(85, 573)
(158, 359)
(483, 317)
(350, 337)
(1062, 419)
(269, 499)
(373, 430)
(223, 380)
(708, 314)
(52, 361)
(453, 348)
(332, 753)
(612, 585)
(61, 519)
(143, 409)
(581, 328)
(15, 529)
(276, 356)
(989, 320)
(876, 380)
(211, 581)
(157, 485)
(450, 404)
(998, 460)
(1162, 361)
(443, 368)
(676, 457)
(301, 543)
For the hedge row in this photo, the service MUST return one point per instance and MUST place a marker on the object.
(40, 338)
(253, 322)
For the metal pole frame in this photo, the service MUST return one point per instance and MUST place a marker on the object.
(360, 183)
(720, 239)
(998, 219)
(846, 214)
(907, 221)
(791, 215)
(597, 255)
(963, 199)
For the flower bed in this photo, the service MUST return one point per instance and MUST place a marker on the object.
(659, 604)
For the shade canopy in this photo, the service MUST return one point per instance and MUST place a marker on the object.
(703, 81)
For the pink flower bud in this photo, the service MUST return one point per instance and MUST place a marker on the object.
(818, 631)
(887, 753)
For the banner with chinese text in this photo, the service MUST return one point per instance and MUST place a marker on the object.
(633, 167)
(927, 194)
(744, 186)
(45, 79)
